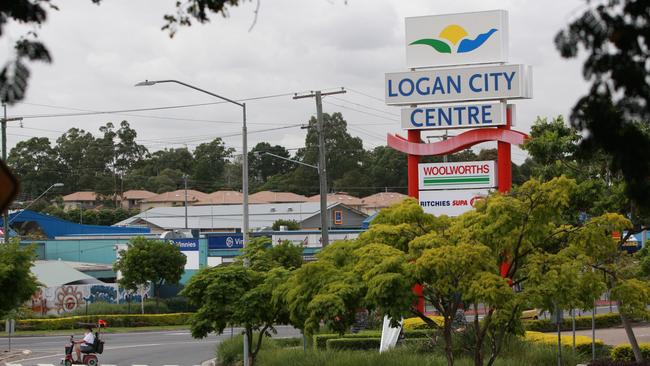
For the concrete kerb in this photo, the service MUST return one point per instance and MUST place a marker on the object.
(211, 362)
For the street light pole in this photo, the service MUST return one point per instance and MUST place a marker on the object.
(4, 120)
(185, 181)
(245, 222)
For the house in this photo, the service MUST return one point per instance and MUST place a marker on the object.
(378, 201)
(132, 199)
(221, 198)
(76, 200)
(340, 197)
(228, 218)
(172, 199)
(276, 197)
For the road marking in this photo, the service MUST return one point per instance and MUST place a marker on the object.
(13, 364)
(44, 364)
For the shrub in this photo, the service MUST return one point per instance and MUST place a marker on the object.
(582, 322)
(357, 344)
(103, 308)
(583, 343)
(179, 304)
(607, 362)
(320, 340)
(287, 342)
(418, 323)
(623, 352)
(125, 320)
(230, 351)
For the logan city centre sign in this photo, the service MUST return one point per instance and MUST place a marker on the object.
(457, 39)
(470, 174)
(454, 116)
(451, 203)
(459, 85)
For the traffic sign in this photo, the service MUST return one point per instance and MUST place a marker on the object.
(8, 186)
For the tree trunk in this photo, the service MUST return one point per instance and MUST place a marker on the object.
(638, 356)
(448, 343)
(478, 349)
(157, 294)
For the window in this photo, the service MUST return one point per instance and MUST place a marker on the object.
(338, 217)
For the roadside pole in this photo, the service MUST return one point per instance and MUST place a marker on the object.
(10, 328)
(322, 158)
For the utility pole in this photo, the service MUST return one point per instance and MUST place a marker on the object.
(4, 120)
(185, 181)
(322, 168)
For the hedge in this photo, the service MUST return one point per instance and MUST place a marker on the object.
(339, 344)
(623, 352)
(320, 340)
(582, 322)
(583, 343)
(418, 323)
(123, 320)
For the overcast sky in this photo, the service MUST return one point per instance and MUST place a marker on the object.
(100, 52)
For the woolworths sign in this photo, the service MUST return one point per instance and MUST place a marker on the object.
(471, 174)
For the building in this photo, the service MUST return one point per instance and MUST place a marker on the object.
(276, 197)
(379, 201)
(132, 199)
(340, 197)
(173, 199)
(76, 200)
(221, 198)
(228, 218)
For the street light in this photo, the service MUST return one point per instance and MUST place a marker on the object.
(55, 185)
(244, 165)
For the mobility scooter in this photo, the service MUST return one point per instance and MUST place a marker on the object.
(89, 357)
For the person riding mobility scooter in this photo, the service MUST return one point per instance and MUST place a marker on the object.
(90, 346)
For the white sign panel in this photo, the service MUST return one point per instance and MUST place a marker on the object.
(459, 84)
(469, 174)
(457, 39)
(454, 116)
(452, 202)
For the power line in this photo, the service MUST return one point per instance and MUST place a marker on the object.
(366, 106)
(366, 95)
(364, 112)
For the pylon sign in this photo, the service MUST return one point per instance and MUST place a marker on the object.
(8, 186)
(459, 79)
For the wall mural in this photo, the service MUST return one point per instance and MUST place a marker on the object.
(68, 298)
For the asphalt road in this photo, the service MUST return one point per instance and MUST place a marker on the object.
(146, 348)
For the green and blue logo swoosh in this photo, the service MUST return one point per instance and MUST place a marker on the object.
(454, 35)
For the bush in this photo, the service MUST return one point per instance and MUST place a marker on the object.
(126, 320)
(320, 340)
(179, 304)
(287, 342)
(583, 343)
(103, 308)
(623, 352)
(582, 322)
(357, 344)
(230, 352)
(618, 363)
(418, 323)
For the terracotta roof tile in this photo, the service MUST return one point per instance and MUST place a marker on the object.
(383, 199)
(178, 196)
(277, 197)
(80, 196)
(135, 194)
(341, 197)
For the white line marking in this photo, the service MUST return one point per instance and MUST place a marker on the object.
(41, 357)
(13, 364)
(139, 365)
(44, 364)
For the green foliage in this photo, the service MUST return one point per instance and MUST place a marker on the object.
(290, 224)
(113, 320)
(102, 308)
(149, 260)
(623, 352)
(352, 344)
(238, 295)
(17, 283)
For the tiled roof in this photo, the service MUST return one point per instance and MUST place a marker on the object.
(135, 194)
(80, 196)
(383, 199)
(341, 197)
(277, 197)
(221, 198)
(178, 196)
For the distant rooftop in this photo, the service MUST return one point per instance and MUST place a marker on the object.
(178, 196)
(80, 196)
(277, 197)
(136, 194)
(341, 197)
(383, 199)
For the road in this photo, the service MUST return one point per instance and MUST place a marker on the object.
(614, 336)
(146, 348)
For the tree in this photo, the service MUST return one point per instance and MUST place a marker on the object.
(615, 36)
(17, 283)
(209, 164)
(238, 295)
(83, 159)
(290, 224)
(150, 261)
(35, 163)
(264, 166)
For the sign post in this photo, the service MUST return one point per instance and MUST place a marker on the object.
(10, 328)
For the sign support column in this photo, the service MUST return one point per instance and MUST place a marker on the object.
(504, 155)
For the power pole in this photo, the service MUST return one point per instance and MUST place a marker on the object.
(5, 216)
(185, 181)
(322, 168)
